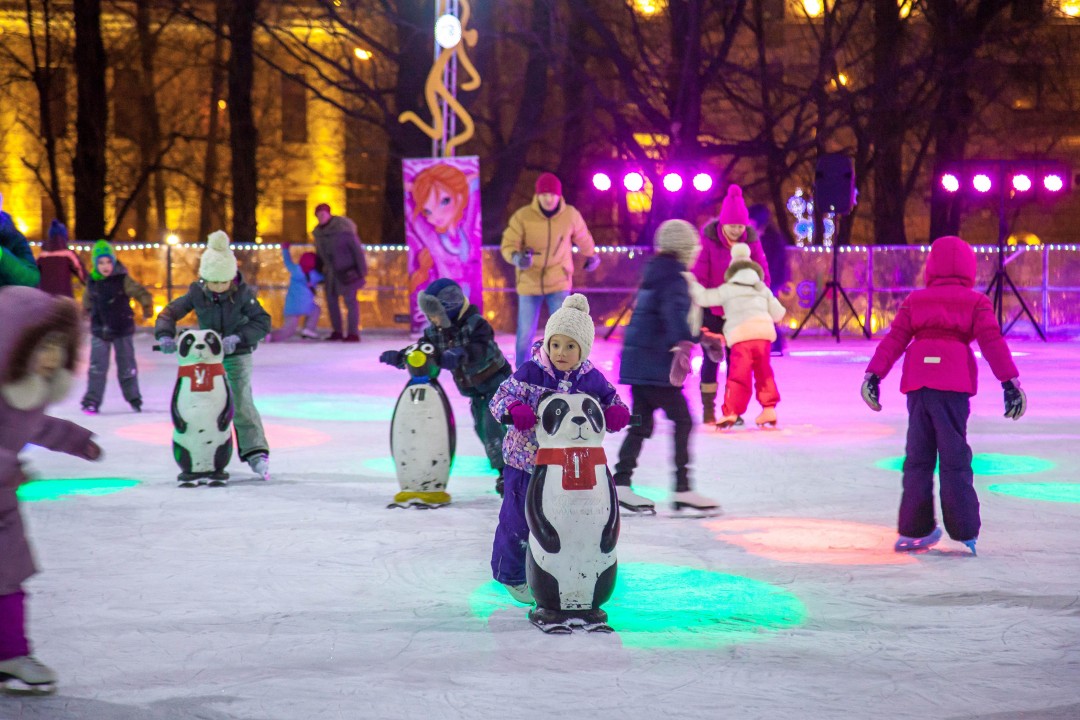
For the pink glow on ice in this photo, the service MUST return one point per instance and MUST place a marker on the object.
(601, 181)
(702, 182)
(1053, 183)
(1021, 183)
(633, 181)
(279, 436)
(982, 183)
(950, 182)
(812, 540)
(673, 182)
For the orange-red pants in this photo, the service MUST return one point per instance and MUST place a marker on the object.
(749, 358)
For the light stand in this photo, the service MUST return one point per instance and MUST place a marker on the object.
(833, 287)
(996, 289)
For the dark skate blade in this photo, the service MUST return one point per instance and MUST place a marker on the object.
(637, 509)
(14, 686)
(416, 506)
(598, 628)
(690, 511)
(767, 425)
(553, 628)
(218, 483)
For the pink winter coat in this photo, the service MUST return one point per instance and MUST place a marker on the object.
(26, 314)
(940, 322)
(715, 256)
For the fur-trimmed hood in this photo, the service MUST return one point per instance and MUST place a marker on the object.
(27, 315)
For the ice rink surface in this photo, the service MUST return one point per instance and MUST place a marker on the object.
(306, 599)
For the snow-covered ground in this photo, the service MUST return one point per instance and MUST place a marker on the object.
(307, 599)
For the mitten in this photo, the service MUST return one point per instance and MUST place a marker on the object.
(229, 342)
(92, 451)
(522, 260)
(591, 263)
(167, 345)
(451, 358)
(392, 357)
(713, 345)
(1015, 399)
(523, 417)
(680, 363)
(616, 417)
(871, 391)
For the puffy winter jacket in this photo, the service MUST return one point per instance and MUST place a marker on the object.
(17, 266)
(338, 247)
(658, 324)
(935, 326)
(108, 301)
(751, 311)
(715, 256)
(551, 240)
(234, 312)
(300, 298)
(485, 367)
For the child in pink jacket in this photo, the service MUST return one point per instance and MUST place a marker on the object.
(934, 329)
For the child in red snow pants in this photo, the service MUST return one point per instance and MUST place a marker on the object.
(749, 358)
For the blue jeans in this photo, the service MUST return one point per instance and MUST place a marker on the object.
(529, 318)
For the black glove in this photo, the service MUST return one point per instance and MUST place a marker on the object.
(522, 260)
(1015, 399)
(451, 358)
(871, 391)
(392, 357)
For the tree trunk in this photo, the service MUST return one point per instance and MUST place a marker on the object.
(243, 135)
(88, 165)
(208, 198)
(887, 126)
(150, 135)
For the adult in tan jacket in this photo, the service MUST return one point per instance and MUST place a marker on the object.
(538, 241)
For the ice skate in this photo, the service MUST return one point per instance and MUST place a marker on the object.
(549, 621)
(971, 545)
(420, 500)
(260, 465)
(637, 504)
(727, 422)
(27, 674)
(90, 409)
(694, 504)
(522, 593)
(309, 334)
(912, 544)
(767, 418)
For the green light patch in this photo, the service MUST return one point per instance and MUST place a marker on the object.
(987, 464)
(1047, 492)
(39, 490)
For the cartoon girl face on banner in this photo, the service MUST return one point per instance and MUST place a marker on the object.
(442, 226)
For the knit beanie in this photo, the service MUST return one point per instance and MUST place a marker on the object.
(548, 183)
(733, 211)
(679, 238)
(218, 264)
(573, 321)
(57, 238)
(740, 260)
(101, 249)
(442, 301)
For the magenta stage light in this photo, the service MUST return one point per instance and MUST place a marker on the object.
(601, 181)
(633, 181)
(1021, 182)
(982, 182)
(673, 182)
(702, 182)
(950, 182)
(1053, 183)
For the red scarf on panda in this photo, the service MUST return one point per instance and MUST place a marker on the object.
(202, 375)
(578, 464)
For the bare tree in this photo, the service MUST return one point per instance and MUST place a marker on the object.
(91, 123)
(243, 134)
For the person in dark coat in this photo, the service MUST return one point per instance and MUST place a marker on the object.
(465, 345)
(17, 265)
(656, 359)
(107, 300)
(224, 303)
(344, 264)
(775, 246)
(58, 263)
(39, 346)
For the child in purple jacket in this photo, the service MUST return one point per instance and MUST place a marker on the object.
(933, 330)
(560, 364)
(39, 343)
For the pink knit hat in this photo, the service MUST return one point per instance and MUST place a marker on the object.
(733, 211)
(548, 183)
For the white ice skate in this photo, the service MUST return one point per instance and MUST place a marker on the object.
(260, 465)
(688, 503)
(27, 674)
(522, 593)
(767, 419)
(636, 504)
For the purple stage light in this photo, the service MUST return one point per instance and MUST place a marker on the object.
(633, 181)
(673, 182)
(1053, 183)
(601, 181)
(702, 182)
(1021, 182)
(982, 182)
(950, 182)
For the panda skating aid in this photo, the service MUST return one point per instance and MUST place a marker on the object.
(201, 410)
(573, 516)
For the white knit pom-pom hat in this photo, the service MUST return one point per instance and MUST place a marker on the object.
(218, 264)
(573, 321)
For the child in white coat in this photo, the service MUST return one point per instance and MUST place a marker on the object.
(751, 312)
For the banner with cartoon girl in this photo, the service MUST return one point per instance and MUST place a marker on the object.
(442, 226)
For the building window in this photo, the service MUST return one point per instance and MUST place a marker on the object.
(293, 111)
(125, 105)
(53, 81)
(294, 220)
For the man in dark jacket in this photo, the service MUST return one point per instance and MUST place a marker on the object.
(17, 265)
(656, 354)
(344, 264)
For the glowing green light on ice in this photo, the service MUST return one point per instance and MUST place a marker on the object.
(1048, 492)
(987, 464)
(329, 407)
(464, 466)
(657, 495)
(60, 488)
(668, 606)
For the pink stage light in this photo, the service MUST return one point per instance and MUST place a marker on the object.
(982, 182)
(1021, 182)
(702, 182)
(601, 181)
(1053, 183)
(673, 182)
(633, 181)
(950, 182)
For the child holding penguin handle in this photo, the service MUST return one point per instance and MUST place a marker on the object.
(559, 364)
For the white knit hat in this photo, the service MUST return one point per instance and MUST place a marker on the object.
(573, 321)
(218, 263)
(679, 238)
(740, 260)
